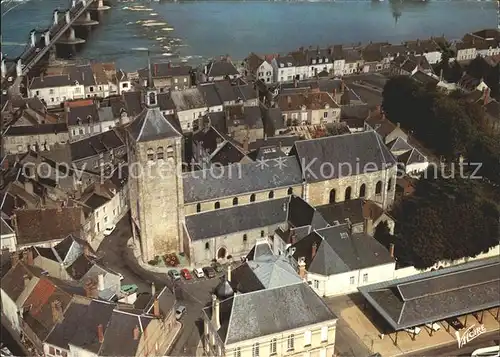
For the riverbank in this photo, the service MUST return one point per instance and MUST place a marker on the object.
(205, 29)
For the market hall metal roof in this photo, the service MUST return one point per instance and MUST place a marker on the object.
(436, 295)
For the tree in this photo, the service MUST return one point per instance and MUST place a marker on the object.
(444, 219)
(383, 234)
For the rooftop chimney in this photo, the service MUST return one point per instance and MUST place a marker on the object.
(100, 282)
(29, 257)
(136, 333)
(486, 96)
(215, 312)
(26, 279)
(302, 268)
(245, 145)
(57, 313)
(14, 258)
(156, 307)
(153, 289)
(100, 333)
(91, 289)
(368, 219)
(391, 249)
(314, 249)
(228, 276)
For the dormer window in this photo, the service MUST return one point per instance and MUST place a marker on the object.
(313, 61)
(151, 98)
(282, 65)
(89, 118)
(159, 153)
(78, 121)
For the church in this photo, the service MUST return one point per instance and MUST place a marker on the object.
(220, 213)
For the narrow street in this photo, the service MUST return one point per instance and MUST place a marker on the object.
(194, 294)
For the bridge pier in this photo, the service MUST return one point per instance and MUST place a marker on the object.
(85, 20)
(101, 6)
(19, 68)
(71, 39)
(33, 38)
(4, 68)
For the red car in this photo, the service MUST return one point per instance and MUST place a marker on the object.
(186, 274)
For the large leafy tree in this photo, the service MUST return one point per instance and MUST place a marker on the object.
(444, 219)
(447, 124)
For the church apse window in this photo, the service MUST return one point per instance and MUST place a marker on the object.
(235, 201)
(332, 196)
(207, 246)
(378, 188)
(271, 194)
(198, 207)
(159, 153)
(290, 191)
(348, 193)
(151, 155)
(252, 197)
(217, 205)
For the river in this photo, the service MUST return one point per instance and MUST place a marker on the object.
(193, 31)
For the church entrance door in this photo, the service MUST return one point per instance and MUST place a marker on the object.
(221, 254)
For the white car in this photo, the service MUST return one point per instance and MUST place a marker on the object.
(108, 230)
(179, 312)
(493, 351)
(199, 273)
(413, 330)
(434, 326)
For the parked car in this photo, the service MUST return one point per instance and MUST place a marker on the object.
(217, 267)
(455, 323)
(186, 274)
(493, 351)
(174, 274)
(129, 289)
(198, 272)
(108, 230)
(209, 272)
(180, 311)
(413, 330)
(434, 326)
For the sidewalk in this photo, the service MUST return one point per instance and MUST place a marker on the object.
(167, 345)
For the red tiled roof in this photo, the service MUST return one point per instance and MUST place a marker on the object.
(40, 296)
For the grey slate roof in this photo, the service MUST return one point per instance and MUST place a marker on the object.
(95, 145)
(82, 114)
(348, 155)
(209, 93)
(399, 144)
(150, 125)
(221, 68)
(240, 178)
(340, 211)
(235, 219)
(274, 271)
(436, 295)
(339, 251)
(188, 99)
(51, 81)
(412, 157)
(270, 311)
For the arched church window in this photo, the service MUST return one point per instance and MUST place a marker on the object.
(198, 207)
(378, 188)
(271, 194)
(159, 153)
(151, 155)
(207, 246)
(170, 152)
(217, 205)
(152, 98)
(290, 191)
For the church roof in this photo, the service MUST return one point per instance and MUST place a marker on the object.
(151, 124)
